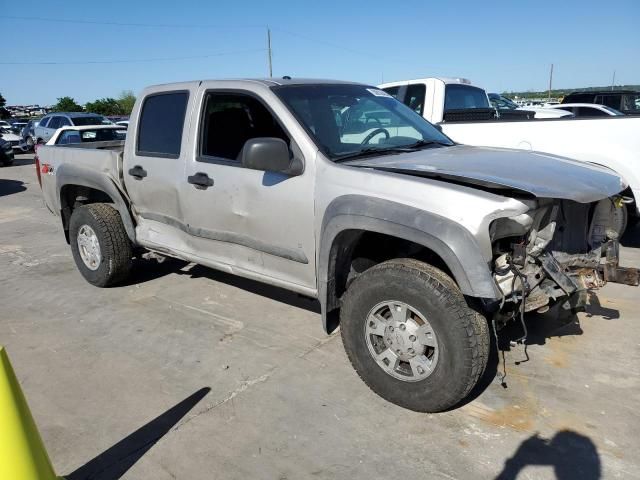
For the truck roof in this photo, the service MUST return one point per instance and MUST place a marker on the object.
(445, 80)
(268, 82)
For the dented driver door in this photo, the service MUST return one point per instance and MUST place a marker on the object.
(253, 223)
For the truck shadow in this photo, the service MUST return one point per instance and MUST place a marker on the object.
(557, 322)
(114, 462)
(9, 187)
(264, 290)
(573, 456)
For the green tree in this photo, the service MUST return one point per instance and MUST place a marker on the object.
(66, 104)
(126, 101)
(3, 102)
(104, 106)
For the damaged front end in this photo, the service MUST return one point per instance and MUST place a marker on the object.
(556, 252)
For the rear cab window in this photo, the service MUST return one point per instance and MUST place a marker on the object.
(463, 97)
(161, 124)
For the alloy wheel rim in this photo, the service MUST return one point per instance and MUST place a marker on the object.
(401, 341)
(89, 247)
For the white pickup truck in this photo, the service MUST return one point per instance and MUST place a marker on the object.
(463, 113)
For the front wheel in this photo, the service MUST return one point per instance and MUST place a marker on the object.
(411, 336)
(100, 245)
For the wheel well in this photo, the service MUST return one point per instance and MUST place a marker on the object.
(73, 196)
(354, 251)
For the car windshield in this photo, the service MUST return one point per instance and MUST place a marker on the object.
(348, 120)
(631, 103)
(463, 97)
(92, 135)
(81, 121)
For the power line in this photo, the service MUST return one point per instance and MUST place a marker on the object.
(129, 24)
(137, 60)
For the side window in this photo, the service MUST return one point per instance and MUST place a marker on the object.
(414, 98)
(612, 101)
(229, 120)
(393, 91)
(44, 121)
(161, 124)
(64, 122)
(54, 122)
(590, 112)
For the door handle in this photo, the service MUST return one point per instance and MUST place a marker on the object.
(200, 180)
(138, 172)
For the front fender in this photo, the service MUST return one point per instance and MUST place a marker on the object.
(453, 243)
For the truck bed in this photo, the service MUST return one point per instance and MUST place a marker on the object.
(81, 160)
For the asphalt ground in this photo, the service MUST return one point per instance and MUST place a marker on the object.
(189, 373)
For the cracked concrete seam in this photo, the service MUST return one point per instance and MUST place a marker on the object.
(245, 385)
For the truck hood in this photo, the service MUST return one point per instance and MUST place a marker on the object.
(500, 169)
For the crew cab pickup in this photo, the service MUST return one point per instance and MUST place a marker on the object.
(461, 110)
(412, 244)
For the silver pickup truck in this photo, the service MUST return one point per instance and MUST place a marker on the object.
(413, 245)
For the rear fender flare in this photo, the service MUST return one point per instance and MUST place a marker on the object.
(74, 175)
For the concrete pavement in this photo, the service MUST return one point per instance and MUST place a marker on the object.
(189, 373)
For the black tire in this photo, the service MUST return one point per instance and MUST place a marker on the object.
(462, 334)
(115, 247)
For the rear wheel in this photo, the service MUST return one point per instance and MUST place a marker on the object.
(411, 336)
(100, 245)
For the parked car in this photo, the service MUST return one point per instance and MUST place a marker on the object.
(459, 108)
(124, 123)
(17, 126)
(50, 123)
(4, 125)
(588, 110)
(12, 139)
(6, 153)
(625, 101)
(337, 191)
(87, 134)
(508, 110)
(28, 135)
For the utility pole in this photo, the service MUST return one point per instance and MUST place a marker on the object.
(269, 52)
(550, 81)
(613, 81)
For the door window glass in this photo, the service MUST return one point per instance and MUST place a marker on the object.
(161, 124)
(54, 122)
(414, 99)
(590, 112)
(229, 120)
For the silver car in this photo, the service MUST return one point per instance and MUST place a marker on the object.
(50, 123)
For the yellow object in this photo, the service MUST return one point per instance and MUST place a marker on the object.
(22, 453)
(619, 202)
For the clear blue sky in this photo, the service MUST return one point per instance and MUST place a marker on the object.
(500, 45)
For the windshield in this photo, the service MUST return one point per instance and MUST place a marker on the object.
(81, 121)
(462, 97)
(631, 103)
(346, 120)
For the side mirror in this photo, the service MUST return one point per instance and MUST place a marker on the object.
(270, 154)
